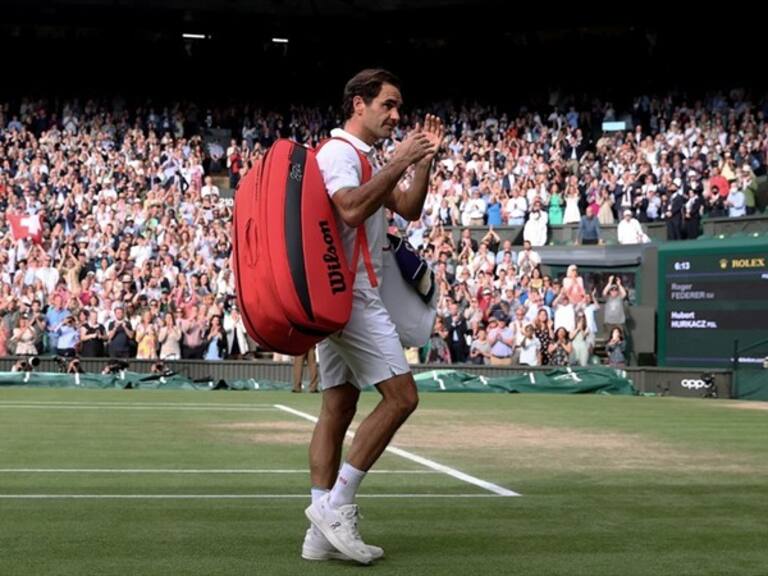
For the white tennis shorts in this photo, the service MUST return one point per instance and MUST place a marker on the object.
(367, 351)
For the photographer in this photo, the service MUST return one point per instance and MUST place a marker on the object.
(120, 336)
(68, 337)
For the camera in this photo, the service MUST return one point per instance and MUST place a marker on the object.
(69, 366)
(710, 387)
(115, 366)
(26, 365)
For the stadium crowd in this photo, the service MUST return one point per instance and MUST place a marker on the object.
(115, 241)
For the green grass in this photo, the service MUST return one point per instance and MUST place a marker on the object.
(611, 486)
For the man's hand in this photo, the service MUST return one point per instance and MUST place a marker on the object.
(434, 131)
(414, 148)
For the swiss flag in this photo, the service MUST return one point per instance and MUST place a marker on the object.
(25, 226)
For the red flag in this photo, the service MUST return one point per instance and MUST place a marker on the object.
(25, 226)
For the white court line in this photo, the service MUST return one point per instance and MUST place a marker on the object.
(134, 407)
(172, 404)
(491, 487)
(220, 496)
(181, 471)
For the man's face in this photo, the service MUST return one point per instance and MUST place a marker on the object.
(382, 115)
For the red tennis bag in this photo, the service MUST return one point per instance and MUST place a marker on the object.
(293, 281)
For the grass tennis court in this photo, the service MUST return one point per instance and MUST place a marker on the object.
(184, 483)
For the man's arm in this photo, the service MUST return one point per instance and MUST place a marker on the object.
(356, 205)
(410, 203)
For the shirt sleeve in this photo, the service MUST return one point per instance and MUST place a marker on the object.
(340, 166)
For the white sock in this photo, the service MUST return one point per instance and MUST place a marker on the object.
(345, 489)
(318, 493)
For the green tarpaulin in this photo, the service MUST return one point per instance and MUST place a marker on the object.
(596, 379)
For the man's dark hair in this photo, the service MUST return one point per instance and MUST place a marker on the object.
(366, 84)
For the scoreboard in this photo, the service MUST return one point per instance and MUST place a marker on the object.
(710, 296)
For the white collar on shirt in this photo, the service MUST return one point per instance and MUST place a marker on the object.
(356, 142)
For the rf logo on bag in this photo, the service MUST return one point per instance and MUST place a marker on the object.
(297, 172)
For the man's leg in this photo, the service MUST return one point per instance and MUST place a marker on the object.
(335, 515)
(399, 399)
(298, 372)
(336, 414)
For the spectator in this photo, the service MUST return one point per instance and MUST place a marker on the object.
(589, 229)
(543, 329)
(23, 339)
(582, 341)
(456, 326)
(53, 318)
(68, 337)
(555, 206)
(530, 348)
(92, 337)
(169, 338)
(560, 349)
(215, 340)
(234, 330)
(480, 350)
(209, 189)
(614, 294)
(693, 208)
(120, 336)
(616, 348)
(298, 370)
(502, 341)
(629, 230)
(736, 202)
(146, 337)
(193, 328)
(573, 286)
(675, 214)
(565, 313)
(535, 230)
(528, 259)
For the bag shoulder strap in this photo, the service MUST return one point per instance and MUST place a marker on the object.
(361, 242)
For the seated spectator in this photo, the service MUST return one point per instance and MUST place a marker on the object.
(629, 230)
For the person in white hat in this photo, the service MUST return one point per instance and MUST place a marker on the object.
(630, 231)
